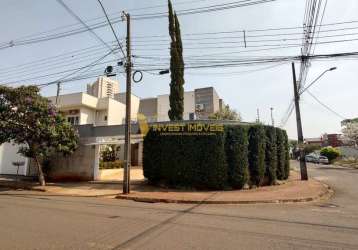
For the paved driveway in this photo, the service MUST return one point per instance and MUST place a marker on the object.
(36, 221)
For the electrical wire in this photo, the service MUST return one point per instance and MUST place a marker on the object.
(73, 14)
(325, 106)
(110, 24)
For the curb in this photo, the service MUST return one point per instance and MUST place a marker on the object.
(16, 186)
(327, 194)
(19, 187)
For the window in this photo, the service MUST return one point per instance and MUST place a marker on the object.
(74, 120)
(105, 118)
(191, 116)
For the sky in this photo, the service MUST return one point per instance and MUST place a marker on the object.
(244, 88)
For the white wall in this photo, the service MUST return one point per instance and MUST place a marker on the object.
(116, 112)
(135, 100)
(87, 116)
(8, 155)
(163, 106)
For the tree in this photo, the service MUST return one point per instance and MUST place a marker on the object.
(350, 130)
(226, 114)
(28, 119)
(109, 153)
(331, 153)
(176, 97)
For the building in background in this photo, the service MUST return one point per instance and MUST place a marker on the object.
(313, 141)
(198, 104)
(102, 105)
(333, 140)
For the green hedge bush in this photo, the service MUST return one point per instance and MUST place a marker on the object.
(226, 159)
(270, 155)
(236, 149)
(287, 155)
(111, 164)
(185, 160)
(331, 153)
(257, 138)
(280, 154)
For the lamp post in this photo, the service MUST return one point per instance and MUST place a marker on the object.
(297, 94)
(315, 80)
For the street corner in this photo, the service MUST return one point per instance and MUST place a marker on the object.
(291, 191)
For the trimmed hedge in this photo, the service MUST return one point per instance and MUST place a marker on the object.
(270, 155)
(236, 149)
(287, 155)
(238, 155)
(257, 154)
(280, 155)
(184, 160)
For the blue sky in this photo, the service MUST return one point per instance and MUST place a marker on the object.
(244, 88)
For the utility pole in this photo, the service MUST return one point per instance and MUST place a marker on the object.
(58, 92)
(258, 116)
(272, 120)
(303, 166)
(127, 147)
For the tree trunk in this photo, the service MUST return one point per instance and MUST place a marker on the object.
(40, 172)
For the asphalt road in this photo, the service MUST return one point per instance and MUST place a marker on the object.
(38, 221)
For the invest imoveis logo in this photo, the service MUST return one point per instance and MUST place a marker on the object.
(178, 128)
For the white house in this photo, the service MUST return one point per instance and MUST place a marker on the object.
(102, 105)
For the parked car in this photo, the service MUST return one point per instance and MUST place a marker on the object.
(312, 158)
(323, 160)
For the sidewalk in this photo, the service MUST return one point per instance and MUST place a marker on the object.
(293, 190)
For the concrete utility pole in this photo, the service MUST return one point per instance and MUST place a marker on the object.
(303, 166)
(58, 92)
(127, 147)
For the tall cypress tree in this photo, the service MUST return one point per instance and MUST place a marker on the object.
(176, 97)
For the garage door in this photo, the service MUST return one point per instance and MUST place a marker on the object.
(8, 155)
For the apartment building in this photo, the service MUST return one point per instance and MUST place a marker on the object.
(101, 105)
(198, 104)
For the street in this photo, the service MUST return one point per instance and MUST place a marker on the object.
(33, 220)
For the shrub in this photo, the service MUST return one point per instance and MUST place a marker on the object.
(330, 153)
(270, 155)
(185, 160)
(236, 149)
(281, 154)
(109, 153)
(111, 164)
(256, 154)
(287, 155)
(152, 157)
(231, 158)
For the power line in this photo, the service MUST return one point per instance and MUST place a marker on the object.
(110, 24)
(325, 106)
(72, 13)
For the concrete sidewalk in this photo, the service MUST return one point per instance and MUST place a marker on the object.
(292, 190)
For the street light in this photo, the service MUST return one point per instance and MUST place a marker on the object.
(315, 80)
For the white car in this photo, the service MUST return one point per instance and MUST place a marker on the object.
(323, 160)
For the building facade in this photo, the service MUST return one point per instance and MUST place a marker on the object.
(198, 104)
(102, 105)
(103, 108)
